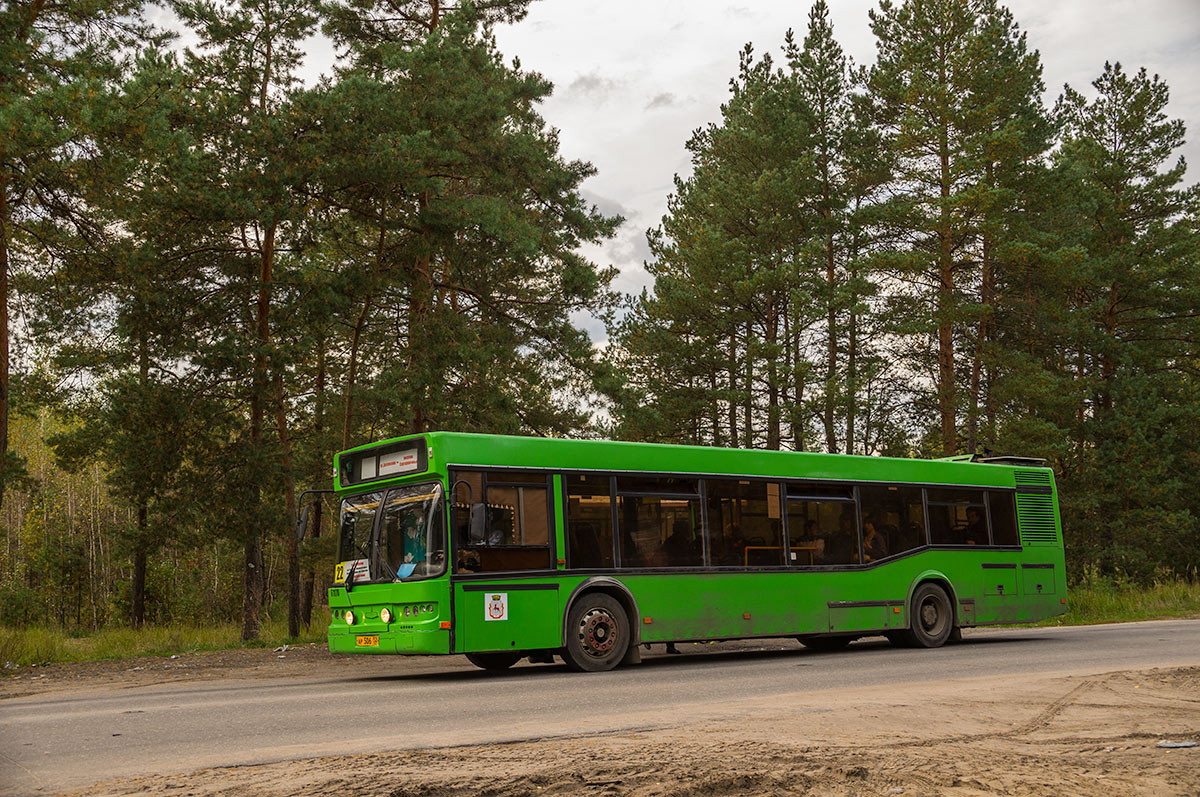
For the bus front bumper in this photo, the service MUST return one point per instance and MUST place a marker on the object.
(369, 640)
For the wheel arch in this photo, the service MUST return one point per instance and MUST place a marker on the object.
(933, 577)
(613, 588)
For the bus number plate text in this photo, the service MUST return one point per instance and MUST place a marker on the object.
(367, 641)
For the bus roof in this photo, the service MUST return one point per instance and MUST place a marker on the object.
(482, 450)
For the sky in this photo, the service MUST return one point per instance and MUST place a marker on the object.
(634, 78)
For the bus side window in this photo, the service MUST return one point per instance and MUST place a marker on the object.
(1004, 518)
(956, 516)
(745, 526)
(589, 521)
(514, 508)
(897, 515)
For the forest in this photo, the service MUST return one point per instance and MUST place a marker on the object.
(214, 276)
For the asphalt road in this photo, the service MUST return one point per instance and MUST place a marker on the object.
(55, 741)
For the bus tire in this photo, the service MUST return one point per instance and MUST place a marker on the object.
(597, 633)
(500, 660)
(826, 643)
(932, 618)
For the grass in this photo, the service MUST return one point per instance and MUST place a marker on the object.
(24, 647)
(1101, 600)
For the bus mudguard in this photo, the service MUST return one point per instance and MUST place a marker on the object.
(619, 591)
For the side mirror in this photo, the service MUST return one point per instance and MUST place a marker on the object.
(302, 522)
(477, 531)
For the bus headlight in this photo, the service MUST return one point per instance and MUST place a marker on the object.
(349, 618)
(385, 615)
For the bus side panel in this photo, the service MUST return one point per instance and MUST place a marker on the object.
(516, 616)
(727, 605)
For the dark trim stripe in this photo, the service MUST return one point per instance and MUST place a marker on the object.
(1038, 567)
(1032, 489)
(998, 566)
(506, 587)
(967, 601)
(861, 604)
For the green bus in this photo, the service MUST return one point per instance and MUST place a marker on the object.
(509, 547)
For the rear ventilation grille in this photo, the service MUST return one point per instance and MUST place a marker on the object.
(1035, 517)
(1033, 478)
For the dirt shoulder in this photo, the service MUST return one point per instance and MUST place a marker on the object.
(290, 662)
(1084, 733)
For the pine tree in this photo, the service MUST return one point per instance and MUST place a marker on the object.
(57, 60)
(821, 74)
(457, 223)
(1134, 294)
(730, 278)
(921, 82)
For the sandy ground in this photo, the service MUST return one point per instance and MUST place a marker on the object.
(1086, 734)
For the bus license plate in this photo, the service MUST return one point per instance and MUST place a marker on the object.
(367, 641)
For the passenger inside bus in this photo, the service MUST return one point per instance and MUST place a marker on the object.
(874, 544)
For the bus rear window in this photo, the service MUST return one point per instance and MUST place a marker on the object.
(1004, 518)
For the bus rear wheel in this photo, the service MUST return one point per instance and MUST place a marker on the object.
(501, 660)
(597, 633)
(932, 618)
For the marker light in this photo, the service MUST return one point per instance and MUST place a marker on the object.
(349, 618)
(385, 615)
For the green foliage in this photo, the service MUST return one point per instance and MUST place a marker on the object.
(920, 259)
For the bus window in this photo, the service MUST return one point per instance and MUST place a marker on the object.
(956, 517)
(1004, 518)
(589, 521)
(501, 521)
(821, 532)
(658, 531)
(745, 525)
(893, 518)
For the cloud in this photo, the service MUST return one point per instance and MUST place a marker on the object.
(594, 86)
(606, 205)
(663, 100)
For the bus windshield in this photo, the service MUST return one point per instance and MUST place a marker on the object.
(412, 537)
(407, 543)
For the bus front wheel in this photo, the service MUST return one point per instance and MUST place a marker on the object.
(501, 660)
(932, 618)
(597, 633)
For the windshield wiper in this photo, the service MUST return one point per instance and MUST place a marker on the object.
(362, 551)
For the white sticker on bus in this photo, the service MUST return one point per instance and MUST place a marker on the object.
(356, 569)
(496, 606)
(399, 462)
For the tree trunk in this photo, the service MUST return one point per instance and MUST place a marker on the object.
(289, 486)
(945, 303)
(308, 579)
(352, 371)
(420, 305)
(748, 429)
(773, 420)
(831, 354)
(981, 334)
(733, 419)
(252, 585)
(4, 345)
(138, 587)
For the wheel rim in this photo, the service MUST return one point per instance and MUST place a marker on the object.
(932, 617)
(597, 632)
